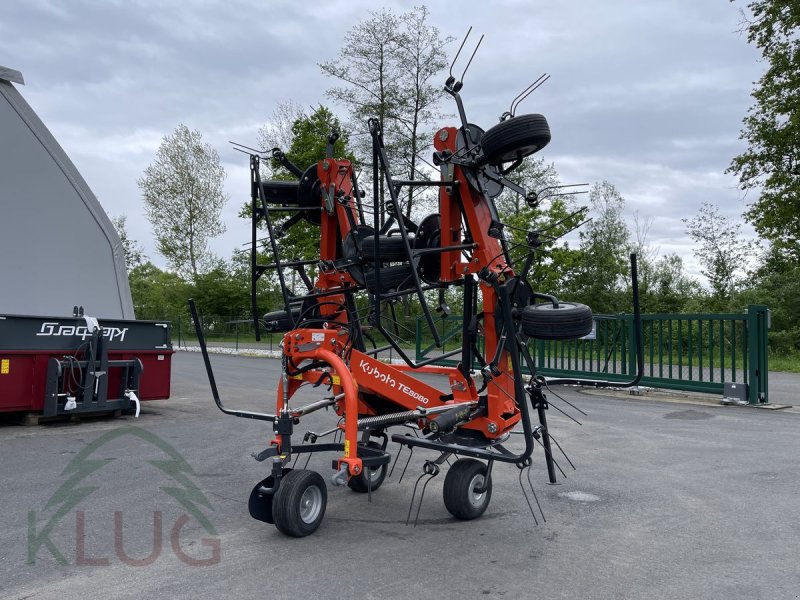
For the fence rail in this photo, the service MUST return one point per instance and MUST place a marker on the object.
(695, 352)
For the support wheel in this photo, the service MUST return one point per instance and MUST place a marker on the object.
(569, 321)
(461, 497)
(299, 504)
(370, 478)
(515, 139)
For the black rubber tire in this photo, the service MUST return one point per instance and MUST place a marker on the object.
(377, 475)
(429, 234)
(392, 278)
(278, 321)
(260, 505)
(299, 504)
(459, 489)
(515, 138)
(567, 322)
(391, 247)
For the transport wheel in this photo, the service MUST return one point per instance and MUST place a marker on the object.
(567, 322)
(460, 496)
(299, 504)
(260, 504)
(375, 475)
(278, 320)
(392, 278)
(515, 138)
(391, 247)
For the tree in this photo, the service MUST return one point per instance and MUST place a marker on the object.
(134, 253)
(554, 217)
(183, 196)
(722, 252)
(304, 142)
(388, 64)
(600, 280)
(157, 294)
(771, 162)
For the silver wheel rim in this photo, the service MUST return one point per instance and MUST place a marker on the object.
(374, 474)
(310, 504)
(475, 498)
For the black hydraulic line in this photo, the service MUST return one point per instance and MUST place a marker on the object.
(212, 382)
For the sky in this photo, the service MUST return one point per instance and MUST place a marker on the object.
(646, 95)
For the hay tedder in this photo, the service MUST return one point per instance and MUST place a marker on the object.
(367, 263)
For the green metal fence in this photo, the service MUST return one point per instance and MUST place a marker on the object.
(694, 352)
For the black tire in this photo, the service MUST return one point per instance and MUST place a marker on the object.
(376, 475)
(299, 504)
(278, 321)
(515, 138)
(392, 248)
(260, 504)
(460, 497)
(392, 278)
(567, 322)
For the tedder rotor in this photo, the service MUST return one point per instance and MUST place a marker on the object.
(364, 266)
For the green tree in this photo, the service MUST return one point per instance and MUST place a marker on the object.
(157, 294)
(308, 140)
(600, 279)
(555, 216)
(723, 253)
(183, 197)
(771, 162)
(134, 253)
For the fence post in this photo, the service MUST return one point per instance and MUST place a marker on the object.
(758, 367)
(632, 349)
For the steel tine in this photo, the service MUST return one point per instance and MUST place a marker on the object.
(422, 495)
(413, 495)
(562, 452)
(461, 47)
(410, 454)
(535, 497)
(525, 494)
(552, 457)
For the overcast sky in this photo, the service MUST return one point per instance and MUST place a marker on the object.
(647, 95)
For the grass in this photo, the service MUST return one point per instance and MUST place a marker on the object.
(786, 362)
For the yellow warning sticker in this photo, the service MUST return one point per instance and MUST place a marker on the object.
(337, 380)
(300, 377)
(5, 366)
(347, 448)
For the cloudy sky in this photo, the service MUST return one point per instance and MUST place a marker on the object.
(647, 95)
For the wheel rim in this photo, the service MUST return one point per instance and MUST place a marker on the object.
(310, 504)
(476, 498)
(373, 474)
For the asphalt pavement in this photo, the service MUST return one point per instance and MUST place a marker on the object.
(669, 500)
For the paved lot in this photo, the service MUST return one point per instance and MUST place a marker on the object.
(670, 500)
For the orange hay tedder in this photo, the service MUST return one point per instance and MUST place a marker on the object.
(363, 269)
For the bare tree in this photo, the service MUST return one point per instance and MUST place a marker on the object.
(722, 251)
(387, 65)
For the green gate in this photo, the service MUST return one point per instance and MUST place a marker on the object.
(694, 352)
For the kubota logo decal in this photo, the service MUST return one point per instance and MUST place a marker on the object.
(390, 381)
(81, 331)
